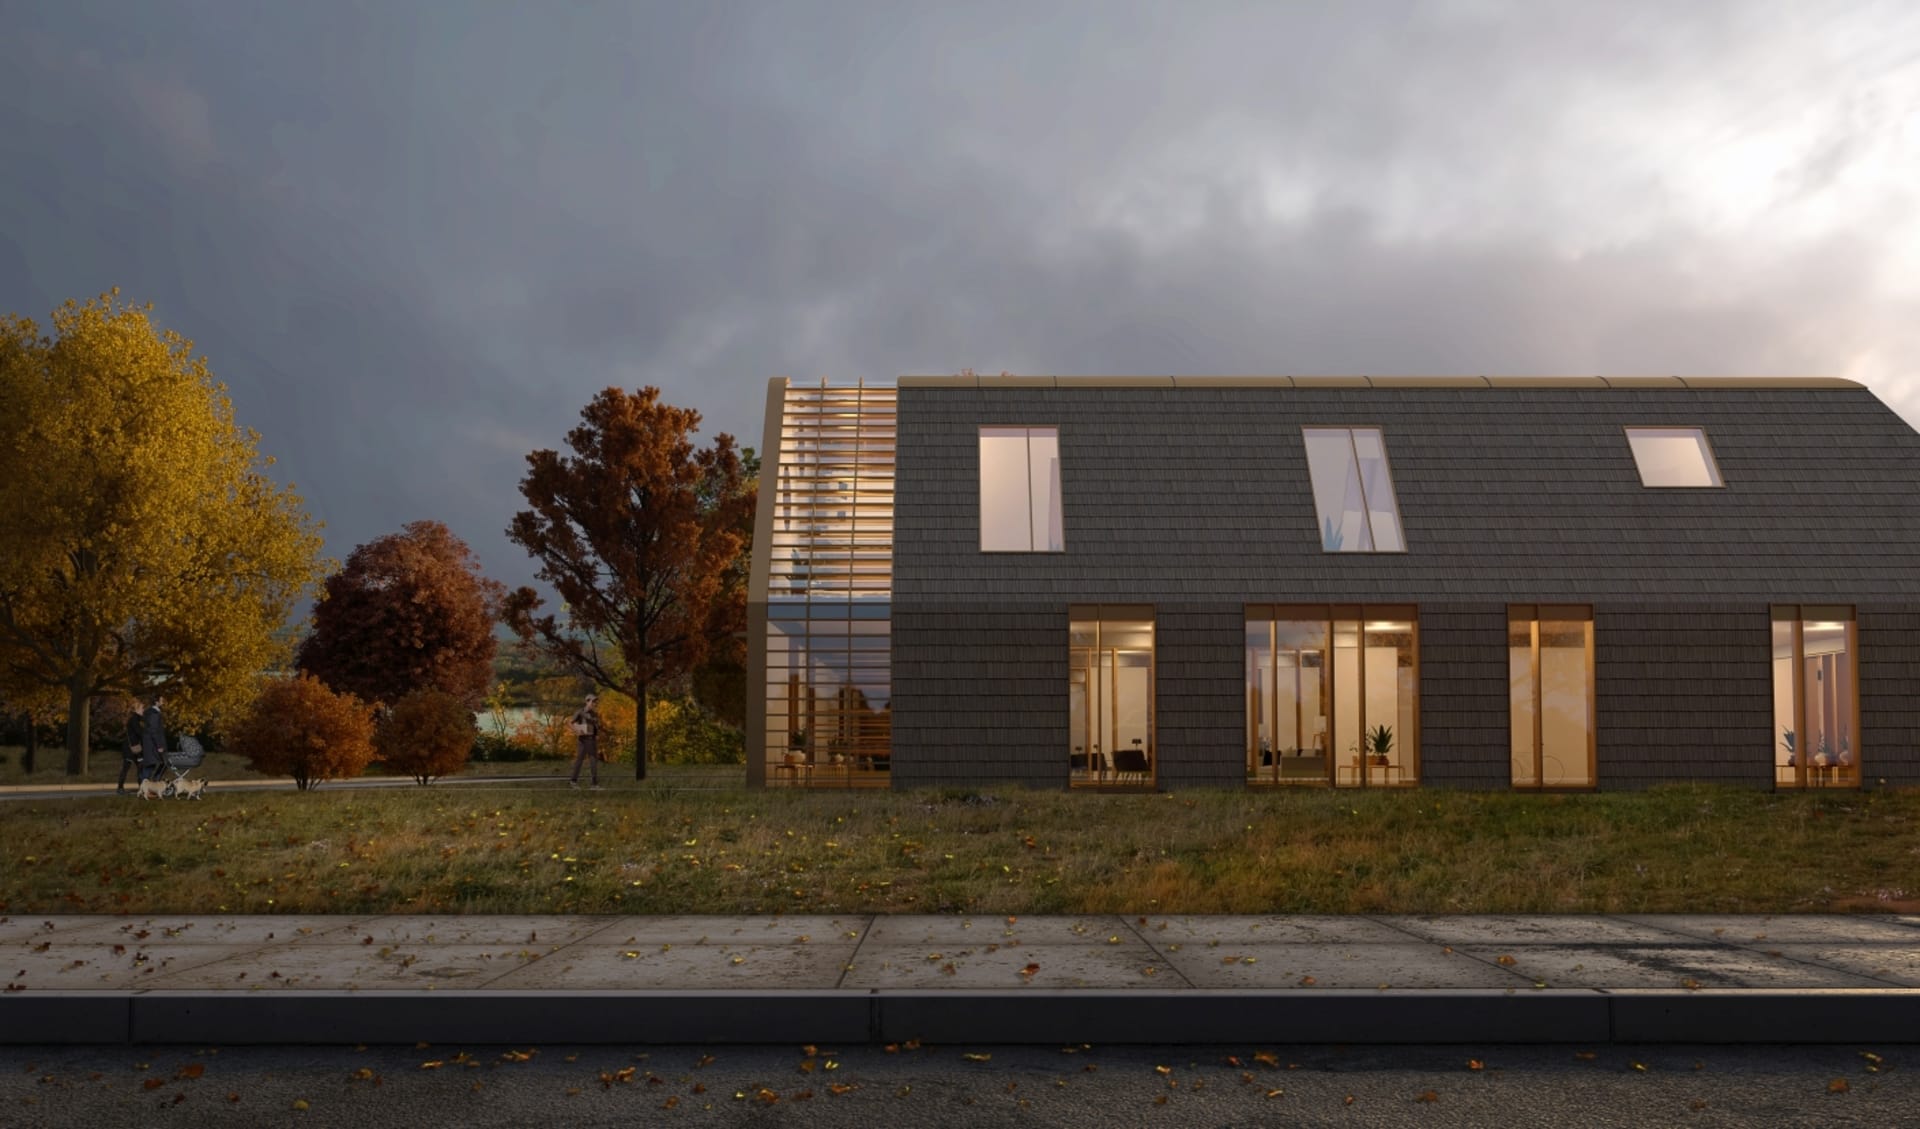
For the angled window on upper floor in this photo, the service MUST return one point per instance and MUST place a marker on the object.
(1673, 456)
(1353, 490)
(1020, 490)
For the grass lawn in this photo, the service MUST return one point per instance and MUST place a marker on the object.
(666, 847)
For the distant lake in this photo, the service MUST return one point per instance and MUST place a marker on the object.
(511, 717)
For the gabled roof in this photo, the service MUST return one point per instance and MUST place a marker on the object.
(1701, 383)
(1509, 488)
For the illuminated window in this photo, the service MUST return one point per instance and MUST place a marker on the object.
(1333, 695)
(1352, 490)
(1110, 718)
(1816, 698)
(1550, 676)
(1673, 456)
(1020, 490)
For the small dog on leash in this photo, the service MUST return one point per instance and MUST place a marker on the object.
(153, 789)
(189, 789)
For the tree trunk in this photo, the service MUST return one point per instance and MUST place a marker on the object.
(640, 731)
(33, 744)
(78, 719)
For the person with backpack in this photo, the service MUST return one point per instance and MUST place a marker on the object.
(585, 725)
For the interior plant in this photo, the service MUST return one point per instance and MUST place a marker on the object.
(1787, 743)
(1380, 743)
(796, 744)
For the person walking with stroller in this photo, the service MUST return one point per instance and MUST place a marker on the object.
(153, 741)
(585, 725)
(130, 750)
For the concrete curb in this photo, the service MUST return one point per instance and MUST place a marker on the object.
(1758, 1015)
(1280, 1016)
(1272, 1015)
(499, 1017)
(66, 1017)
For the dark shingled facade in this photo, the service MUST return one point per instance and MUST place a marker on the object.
(1192, 495)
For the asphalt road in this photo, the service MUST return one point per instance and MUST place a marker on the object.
(859, 1087)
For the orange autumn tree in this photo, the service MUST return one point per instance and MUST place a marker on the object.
(299, 727)
(639, 533)
(719, 682)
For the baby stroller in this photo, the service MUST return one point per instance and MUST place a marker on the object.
(180, 762)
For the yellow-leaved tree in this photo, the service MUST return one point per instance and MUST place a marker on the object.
(142, 548)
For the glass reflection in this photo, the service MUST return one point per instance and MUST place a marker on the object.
(1550, 680)
(1352, 490)
(1005, 518)
(1110, 696)
(1520, 685)
(1043, 487)
(1816, 713)
(1020, 490)
(1332, 696)
(1673, 456)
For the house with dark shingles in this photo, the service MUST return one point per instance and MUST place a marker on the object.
(1347, 582)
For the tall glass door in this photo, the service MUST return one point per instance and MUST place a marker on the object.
(1551, 690)
(1287, 700)
(1110, 696)
(1816, 696)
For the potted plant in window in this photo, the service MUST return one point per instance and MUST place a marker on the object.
(1379, 744)
(796, 746)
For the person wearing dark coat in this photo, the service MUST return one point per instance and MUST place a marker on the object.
(130, 751)
(585, 724)
(153, 742)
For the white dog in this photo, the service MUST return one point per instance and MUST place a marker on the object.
(152, 789)
(189, 789)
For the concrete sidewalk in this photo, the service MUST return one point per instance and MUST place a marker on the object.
(858, 978)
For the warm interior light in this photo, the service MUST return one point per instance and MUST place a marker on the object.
(1388, 626)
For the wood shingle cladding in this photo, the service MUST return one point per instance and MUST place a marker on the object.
(1192, 495)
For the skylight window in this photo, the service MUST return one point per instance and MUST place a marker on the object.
(1353, 490)
(1673, 456)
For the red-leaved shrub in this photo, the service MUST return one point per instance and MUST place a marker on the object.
(428, 733)
(298, 727)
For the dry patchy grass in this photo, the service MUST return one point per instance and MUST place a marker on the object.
(665, 849)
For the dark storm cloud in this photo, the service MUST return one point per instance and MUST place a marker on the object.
(414, 239)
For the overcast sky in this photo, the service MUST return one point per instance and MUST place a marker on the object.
(415, 238)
